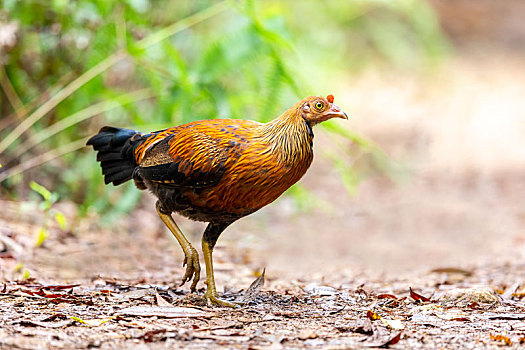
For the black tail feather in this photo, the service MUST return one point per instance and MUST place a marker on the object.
(114, 155)
(108, 156)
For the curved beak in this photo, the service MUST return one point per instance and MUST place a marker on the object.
(336, 112)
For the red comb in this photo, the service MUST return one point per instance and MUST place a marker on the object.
(330, 98)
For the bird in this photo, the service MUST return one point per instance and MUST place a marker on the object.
(214, 170)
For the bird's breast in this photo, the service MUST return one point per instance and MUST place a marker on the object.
(256, 180)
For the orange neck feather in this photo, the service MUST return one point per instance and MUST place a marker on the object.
(289, 136)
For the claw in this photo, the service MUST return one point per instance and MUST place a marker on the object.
(213, 299)
(193, 268)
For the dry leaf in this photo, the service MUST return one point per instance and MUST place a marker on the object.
(503, 338)
(519, 294)
(504, 316)
(394, 324)
(453, 315)
(60, 286)
(314, 288)
(417, 297)
(386, 296)
(372, 315)
(509, 292)
(394, 340)
(386, 344)
(362, 326)
(254, 289)
(133, 294)
(160, 300)
(57, 324)
(163, 311)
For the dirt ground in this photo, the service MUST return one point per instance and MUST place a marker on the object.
(431, 257)
(115, 314)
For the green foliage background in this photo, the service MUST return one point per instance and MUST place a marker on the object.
(72, 66)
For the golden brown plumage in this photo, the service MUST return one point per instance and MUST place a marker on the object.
(215, 171)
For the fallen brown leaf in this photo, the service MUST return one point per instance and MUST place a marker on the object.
(385, 344)
(372, 315)
(461, 319)
(505, 316)
(163, 311)
(503, 338)
(254, 289)
(394, 340)
(418, 297)
(60, 286)
(133, 294)
(57, 324)
(362, 326)
(509, 292)
(386, 296)
(160, 300)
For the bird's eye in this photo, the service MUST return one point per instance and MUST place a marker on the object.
(319, 105)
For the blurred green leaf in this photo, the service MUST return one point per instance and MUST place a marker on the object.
(18, 267)
(306, 200)
(41, 237)
(61, 220)
(44, 192)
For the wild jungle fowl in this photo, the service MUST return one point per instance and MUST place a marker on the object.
(215, 171)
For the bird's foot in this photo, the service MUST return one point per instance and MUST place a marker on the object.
(193, 267)
(213, 299)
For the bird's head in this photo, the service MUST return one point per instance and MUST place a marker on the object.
(315, 109)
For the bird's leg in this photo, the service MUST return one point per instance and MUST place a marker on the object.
(191, 257)
(208, 242)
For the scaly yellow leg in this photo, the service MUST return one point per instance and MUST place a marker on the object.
(211, 293)
(191, 257)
